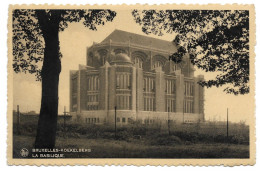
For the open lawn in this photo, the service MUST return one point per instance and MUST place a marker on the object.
(202, 140)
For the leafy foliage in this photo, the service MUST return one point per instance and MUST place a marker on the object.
(28, 41)
(216, 40)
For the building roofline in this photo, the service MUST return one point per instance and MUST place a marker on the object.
(140, 35)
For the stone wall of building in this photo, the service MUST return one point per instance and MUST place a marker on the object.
(107, 94)
(124, 117)
(109, 58)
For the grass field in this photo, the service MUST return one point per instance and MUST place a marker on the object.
(205, 140)
(109, 148)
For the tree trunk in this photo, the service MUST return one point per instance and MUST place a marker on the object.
(47, 124)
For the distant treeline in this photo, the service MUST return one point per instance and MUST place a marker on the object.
(156, 134)
(31, 117)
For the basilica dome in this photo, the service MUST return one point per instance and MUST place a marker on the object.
(121, 59)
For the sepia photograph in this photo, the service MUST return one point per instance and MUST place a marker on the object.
(131, 83)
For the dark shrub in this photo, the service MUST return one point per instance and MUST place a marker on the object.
(187, 136)
(123, 135)
(165, 140)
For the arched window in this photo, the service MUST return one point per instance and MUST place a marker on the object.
(159, 61)
(102, 53)
(139, 62)
(90, 59)
(157, 64)
(138, 58)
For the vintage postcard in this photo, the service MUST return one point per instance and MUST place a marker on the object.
(131, 85)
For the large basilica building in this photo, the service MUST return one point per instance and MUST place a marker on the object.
(128, 77)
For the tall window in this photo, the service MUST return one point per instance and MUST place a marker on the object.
(123, 90)
(74, 85)
(103, 60)
(74, 94)
(139, 62)
(102, 53)
(149, 94)
(174, 67)
(188, 106)
(92, 92)
(189, 97)
(170, 95)
(188, 91)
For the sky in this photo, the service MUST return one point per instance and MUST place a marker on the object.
(73, 45)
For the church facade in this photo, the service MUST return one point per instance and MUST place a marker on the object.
(128, 77)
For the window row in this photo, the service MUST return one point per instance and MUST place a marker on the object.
(188, 88)
(157, 64)
(188, 106)
(149, 84)
(123, 102)
(92, 83)
(123, 80)
(93, 98)
(149, 121)
(170, 105)
(92, 101)
(170, 86)
(123, 120)
(92, 107)
(149, 104)
(92, 120)
(138, 62)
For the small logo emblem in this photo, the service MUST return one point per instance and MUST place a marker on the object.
(24, 152)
